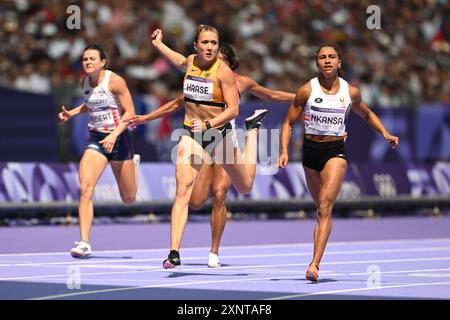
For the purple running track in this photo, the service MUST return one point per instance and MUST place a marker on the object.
(380, 258)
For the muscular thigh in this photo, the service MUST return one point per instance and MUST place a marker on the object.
(190, 158)
(313, 181)
(202, 185)
(124, 172)
(229, 157)
(222, 182)
(332, 176)
(92, 165)
(189, 152)
(227, 150)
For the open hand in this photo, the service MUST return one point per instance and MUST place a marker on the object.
(196, 125)
(108, 143)
(135, 119)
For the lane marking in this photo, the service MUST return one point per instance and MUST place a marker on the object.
(242, 268)
(95, 261)
(358, 290)
(287, 245)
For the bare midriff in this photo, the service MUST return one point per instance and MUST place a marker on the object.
(320, 138)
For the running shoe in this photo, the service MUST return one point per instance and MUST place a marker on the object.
(82, 249)
(254, 121)
(213, 260)
(172, 260)
(136, 159)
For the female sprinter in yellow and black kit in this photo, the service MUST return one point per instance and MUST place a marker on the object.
(202, 87)
(212, 179)
(211, 102)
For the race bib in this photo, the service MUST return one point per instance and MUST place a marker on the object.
(197, 88)
(325, 119)
(101, 117)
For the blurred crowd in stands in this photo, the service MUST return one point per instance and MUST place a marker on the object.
(405, 63)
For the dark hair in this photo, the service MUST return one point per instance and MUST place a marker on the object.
(340, 73)
(230, 55)
(100, 50)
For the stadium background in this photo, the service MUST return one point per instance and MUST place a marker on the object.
(402, 70)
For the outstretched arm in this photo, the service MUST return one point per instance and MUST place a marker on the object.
(66, 115)
(175, 58)
(162, 111)
(362, 110)
(246, 83)
(294, 112)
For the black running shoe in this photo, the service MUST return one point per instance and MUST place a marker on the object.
(172, 260)
(254, 121)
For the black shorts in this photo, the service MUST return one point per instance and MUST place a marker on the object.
(210, 138)
(122, 150)
(316, 154)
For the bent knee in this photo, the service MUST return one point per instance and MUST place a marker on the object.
(244, 189)
(325, 208)
(86, 191)
(196, 204)
(183, 189)
(219, 196)
(129, 198)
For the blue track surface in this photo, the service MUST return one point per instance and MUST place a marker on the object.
(412, 263)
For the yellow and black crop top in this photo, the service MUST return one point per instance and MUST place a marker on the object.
(201, 85)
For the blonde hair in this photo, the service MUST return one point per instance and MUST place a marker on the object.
(204, 27)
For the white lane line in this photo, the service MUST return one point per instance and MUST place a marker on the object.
(286, 245)
(74, 294)
(430, 275)
(224, 248)
(240, 268)
(358, 290)
(95, 261)
(398, 271)
(50, 276)
(180, 284)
